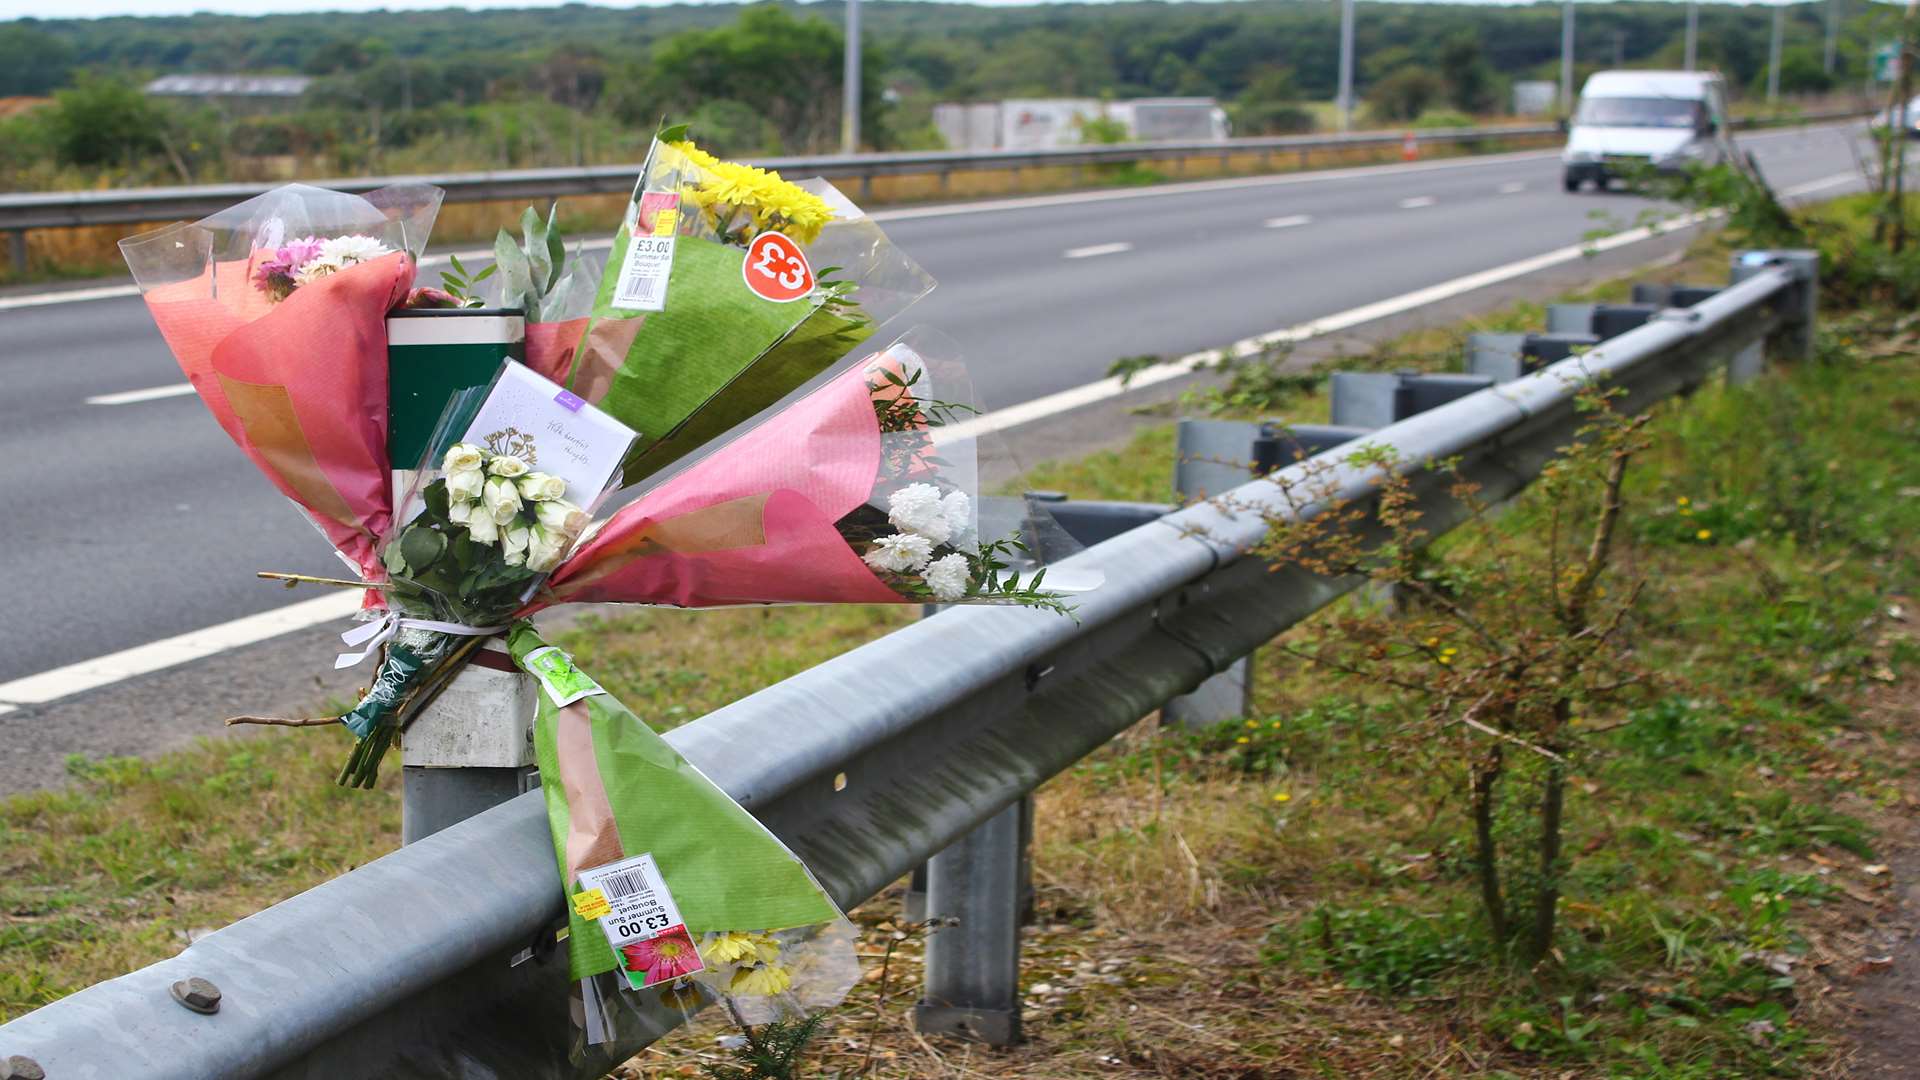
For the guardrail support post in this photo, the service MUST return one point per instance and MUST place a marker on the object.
(17, 246)
(1802, 309)
(974, 897)
(471, 749)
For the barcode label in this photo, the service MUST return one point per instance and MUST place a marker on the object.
(649, 258)
(629, 883)
(643, 275)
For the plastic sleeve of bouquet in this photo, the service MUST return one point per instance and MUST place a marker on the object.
(275, 311)
(849, 495)
(614, 789)
(717, 352)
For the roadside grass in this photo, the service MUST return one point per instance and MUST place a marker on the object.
(1287, 894)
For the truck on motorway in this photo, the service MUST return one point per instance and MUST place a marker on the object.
(1628, 120)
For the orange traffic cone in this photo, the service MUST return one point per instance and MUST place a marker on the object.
(1409, 148)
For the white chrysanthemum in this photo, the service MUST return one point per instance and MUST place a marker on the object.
(347, 250)
(318, 267)
(900, 552)
(916, 508)
(949, 577)
(959, 513)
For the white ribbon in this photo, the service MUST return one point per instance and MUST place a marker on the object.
(369, 636)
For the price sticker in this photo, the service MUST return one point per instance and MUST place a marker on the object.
(642, 923)
(776, 269)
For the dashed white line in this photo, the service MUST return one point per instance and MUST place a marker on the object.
(1095, 250)
(1291, 221)
(152, 393)
(1514, 188)
(1417, 202)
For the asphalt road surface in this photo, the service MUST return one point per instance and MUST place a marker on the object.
(136, 520)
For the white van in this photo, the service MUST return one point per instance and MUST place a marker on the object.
(1667, 119)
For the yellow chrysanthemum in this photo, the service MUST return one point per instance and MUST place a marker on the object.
(770, 201)
(729, 946)
(695, 154)
(763, 981)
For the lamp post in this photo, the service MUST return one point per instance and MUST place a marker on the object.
(850, 88)
(1346, 65)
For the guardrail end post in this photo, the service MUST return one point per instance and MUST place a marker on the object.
(469, 751)
(974, 900)
(17, 246)
(1795, 341)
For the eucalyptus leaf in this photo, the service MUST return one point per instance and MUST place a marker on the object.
(516, 276)
(556, 248)
(539, 259)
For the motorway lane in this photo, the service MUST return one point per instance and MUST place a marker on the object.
(154, 523)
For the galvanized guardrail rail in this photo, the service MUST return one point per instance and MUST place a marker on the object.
(27, 211)
(921, 745)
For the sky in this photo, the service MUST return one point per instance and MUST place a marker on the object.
(14, 9)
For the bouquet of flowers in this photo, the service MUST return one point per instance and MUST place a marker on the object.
(274, 309)
(727, 288)
(864, 491)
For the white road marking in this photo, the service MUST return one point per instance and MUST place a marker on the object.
(128, 397)
(68, 296)
(181, 649)
(1095, 250)
(1514, 188)
(1289, 221)
(1417, 202)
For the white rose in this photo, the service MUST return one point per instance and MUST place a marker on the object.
(482, 529)
(916, 508)
(502, 499)
(506, 465)
(459, 511)
(560, 516)
(540, 487)
(900, 552)
(949, 577)
(463, 456)
(545, 549)
(465, 484)
(513, 543)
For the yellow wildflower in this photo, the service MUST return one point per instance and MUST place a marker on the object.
(1703, 534)
(1243, 740)
(763, 981)
(1683, 501)
(1432, 641)
(1281, 796)
(1275, 725)
(1254, 724)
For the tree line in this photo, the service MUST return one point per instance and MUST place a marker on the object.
(550, 86)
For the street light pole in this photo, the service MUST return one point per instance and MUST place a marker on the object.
(850, 84)
(1773, 53)
(1346, 65)
(1566, 58)
(1833, 33)
(1693, 33)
